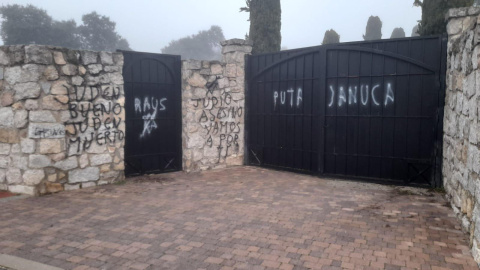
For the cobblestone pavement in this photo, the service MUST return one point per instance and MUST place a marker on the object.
(241, 218)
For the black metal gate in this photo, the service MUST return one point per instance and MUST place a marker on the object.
(153, 113)
(364, 109)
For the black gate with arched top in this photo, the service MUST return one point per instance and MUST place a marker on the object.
(364, 109)
(153, 113)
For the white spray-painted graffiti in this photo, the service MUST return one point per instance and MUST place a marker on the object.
(367, 94)
(289, 97)
(149, 107)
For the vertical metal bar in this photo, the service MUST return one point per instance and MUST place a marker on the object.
(336, 119)
(246, 140)
(408, 100)
(358, 113)
(178, 68)
(382, 114)
(395, 114)
(322, 108)
(347, 112)
(294, 115)
(370, 116)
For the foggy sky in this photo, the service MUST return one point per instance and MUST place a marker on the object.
(149, 25)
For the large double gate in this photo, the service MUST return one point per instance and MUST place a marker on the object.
(365, 109)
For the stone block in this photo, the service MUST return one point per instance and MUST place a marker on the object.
(197, 80)
(46, 87)
(6, 117)
(26, 73)
(193, 64)
(39, 161)
(216, 69)
(19, 162)
(118, 59)
(27, 146)
(4, 58)
(51, 73)
(223, 83)
(26, 90)
(89, 57)
(3, 177)
(83, 175)
(42, 117)
(231, 70)
(6, 98)
(88, 184)
(5, 148)
(33, 177)
(100, 159)
(71, 187)
(111, 69)
(70, 70)
(16, 54)
(20, 189)
(77, 80)
(115, 78)
(97, 149)
(14, 176)
(5, 161)
(58, 58)
(38, 55)
(51, 146)
(31, 104)
(55, 103)
(82, 70)
(106, 58)
(95, 69)
(83, 161)
(9, 135)
(119, 167)
(454, 26)
(53, 187)
(67, 164)
(60, 88)
(46, 131)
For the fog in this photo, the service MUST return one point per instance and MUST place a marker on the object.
(149, 25)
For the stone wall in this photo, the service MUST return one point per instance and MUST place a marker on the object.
(213, 99)
(461, 157)
(61, 119)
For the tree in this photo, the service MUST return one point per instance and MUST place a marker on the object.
(415, 31)
(203, 46)
(265, 25)
(65, 34)
(331, 37)
(98, 33)
(374, 29)
(31, 25)
(398, 33)
(433, 14)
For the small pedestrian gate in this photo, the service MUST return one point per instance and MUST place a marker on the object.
(153, 113)
(364, 109)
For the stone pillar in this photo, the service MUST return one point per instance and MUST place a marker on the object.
(213, 100)
(461, 157)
